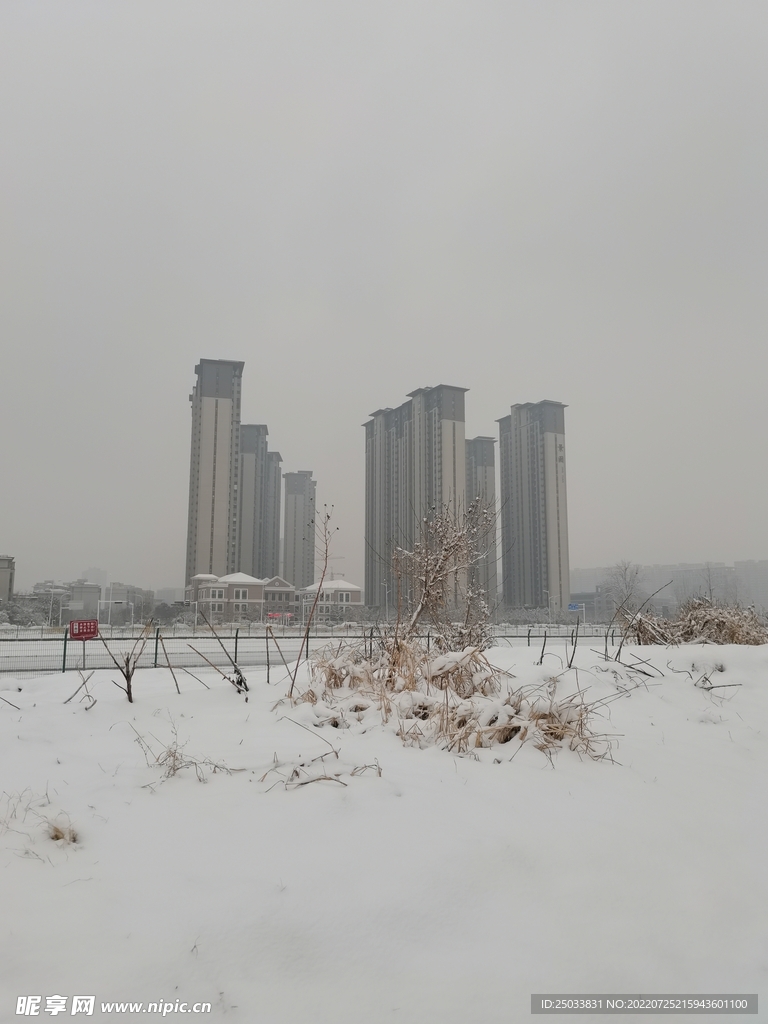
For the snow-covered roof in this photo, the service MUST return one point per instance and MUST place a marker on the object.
(240, 577)
(278, 581)
(335, 585)
(205, 576)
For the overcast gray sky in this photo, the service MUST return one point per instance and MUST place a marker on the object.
(561, 200)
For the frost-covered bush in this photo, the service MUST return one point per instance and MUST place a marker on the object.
(438, 581)
(458, 700)
(701, 621)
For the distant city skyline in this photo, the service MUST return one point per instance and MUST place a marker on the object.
(534, 200)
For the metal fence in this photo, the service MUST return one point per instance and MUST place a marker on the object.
(59, 653)
(255, 629)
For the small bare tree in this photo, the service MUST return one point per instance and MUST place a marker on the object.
(128, 661)
(624, 586)
(437, 580)
(324, 534)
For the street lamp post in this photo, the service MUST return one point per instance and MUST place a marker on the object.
(59, 593)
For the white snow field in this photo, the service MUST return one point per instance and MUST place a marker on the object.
(410, 885)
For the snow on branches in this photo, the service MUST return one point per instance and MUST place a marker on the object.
(437, 580)
(458, 701)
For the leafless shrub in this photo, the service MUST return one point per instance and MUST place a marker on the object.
(458, 701)
(324, 534)
(127, 662)
(623, 585)
(699, 620)
(437, 580)
(173, 759)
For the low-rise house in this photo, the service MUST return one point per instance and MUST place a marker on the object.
(238, 597)
(336, 601)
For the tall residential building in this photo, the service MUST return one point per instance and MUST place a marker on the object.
(534, 511)
(214, 468)
(7, 572)
(271, 528)
(481, 487)
(258, 504)
(414, 461)
(299, 534)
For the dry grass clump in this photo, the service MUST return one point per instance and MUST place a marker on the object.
(61, 833)
(173, 760)
(458, 701)
(701, 621)
(400, 665)
(531, 715)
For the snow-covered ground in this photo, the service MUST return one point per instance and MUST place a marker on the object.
(411, 885)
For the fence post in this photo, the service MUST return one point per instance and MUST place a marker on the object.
(529, 638)
(236, 634)
(266, 642)
(157, 641)
(64, 659)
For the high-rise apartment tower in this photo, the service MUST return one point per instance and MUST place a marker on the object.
(414, 462)
(258, 515)
(7, 571)
(299, 534)
(481, 495)
(534, 510)
(214, 468)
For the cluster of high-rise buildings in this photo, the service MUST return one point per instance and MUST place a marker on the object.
(418, 460)
(251, 524)
(235, 490)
